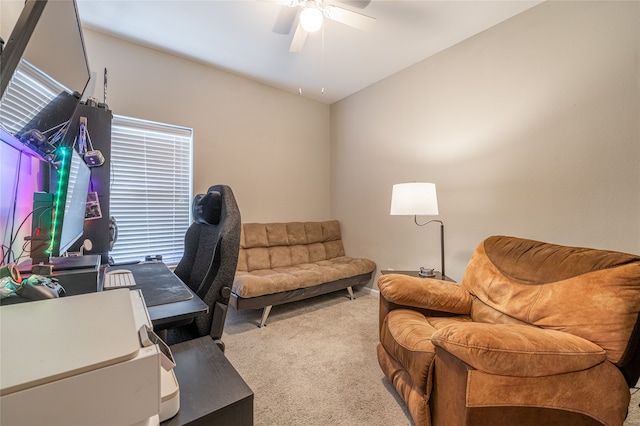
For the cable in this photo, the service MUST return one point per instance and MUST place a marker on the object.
(13, 215)
(40, 216)
(89, 138)
(60, 127)
(20, 227)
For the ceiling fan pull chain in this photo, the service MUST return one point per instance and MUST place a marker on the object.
(322, 62)
(300, 73)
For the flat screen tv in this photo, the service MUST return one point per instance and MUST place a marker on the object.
(43, 74)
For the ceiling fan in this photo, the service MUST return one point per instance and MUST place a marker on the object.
(311, 15)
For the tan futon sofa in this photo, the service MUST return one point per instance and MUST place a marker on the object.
(286, 262)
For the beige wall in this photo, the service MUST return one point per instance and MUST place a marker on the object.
(528, 129)
(9, 12)
(270, 146)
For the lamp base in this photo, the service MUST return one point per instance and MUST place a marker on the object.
(426, 273)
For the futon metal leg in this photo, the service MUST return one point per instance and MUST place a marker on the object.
(350, 290)
(265, 314)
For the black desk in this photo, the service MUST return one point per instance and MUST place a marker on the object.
(211, 390)
(170, 302)
(78, 275)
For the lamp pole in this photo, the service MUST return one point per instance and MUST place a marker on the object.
(415, 218)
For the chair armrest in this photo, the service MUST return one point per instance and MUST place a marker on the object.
(518, 350)
(425, 293)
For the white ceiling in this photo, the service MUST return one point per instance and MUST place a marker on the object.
(237, 36)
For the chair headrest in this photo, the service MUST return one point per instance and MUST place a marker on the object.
(207, 208)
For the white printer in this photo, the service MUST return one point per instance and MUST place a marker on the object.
(86, 359)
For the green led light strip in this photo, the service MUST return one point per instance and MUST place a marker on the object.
(59, 196)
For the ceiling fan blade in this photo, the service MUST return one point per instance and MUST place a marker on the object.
(284, 21)
(298, 40)
(358, 4)
(348, 17)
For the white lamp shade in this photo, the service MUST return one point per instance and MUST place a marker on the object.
(414, 199)
(311, 19)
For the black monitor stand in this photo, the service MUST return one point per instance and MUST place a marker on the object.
(66, 263)
(75, 262)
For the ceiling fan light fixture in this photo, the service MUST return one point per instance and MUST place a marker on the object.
(311, 18)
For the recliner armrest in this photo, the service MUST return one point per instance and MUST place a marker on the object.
(425, 293)
(518, 350)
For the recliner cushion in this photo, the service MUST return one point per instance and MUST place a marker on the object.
(600, 305)
(426, 293)
(406, 336)
(518, 350)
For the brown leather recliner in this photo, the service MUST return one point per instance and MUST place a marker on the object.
(536, 334)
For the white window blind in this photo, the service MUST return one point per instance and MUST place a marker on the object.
(150, 194)
(28, 92)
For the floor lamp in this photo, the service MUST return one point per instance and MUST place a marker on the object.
(418, 199)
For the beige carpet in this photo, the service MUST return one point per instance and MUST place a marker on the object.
(315, 364)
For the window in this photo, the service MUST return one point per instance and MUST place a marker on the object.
(150, 194)
(29, 91)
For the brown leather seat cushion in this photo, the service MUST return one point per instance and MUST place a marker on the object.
(406, 336)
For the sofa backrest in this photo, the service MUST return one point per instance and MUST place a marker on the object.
(594, 294)
(278, 245)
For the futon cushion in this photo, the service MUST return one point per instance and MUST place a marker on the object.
(259, 282)
(517, 350)
(279, 245)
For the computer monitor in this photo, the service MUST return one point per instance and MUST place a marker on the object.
(58, 219)
(71, 188)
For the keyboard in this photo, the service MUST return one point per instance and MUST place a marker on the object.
(118, 278)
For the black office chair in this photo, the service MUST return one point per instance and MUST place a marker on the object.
(208, 266)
